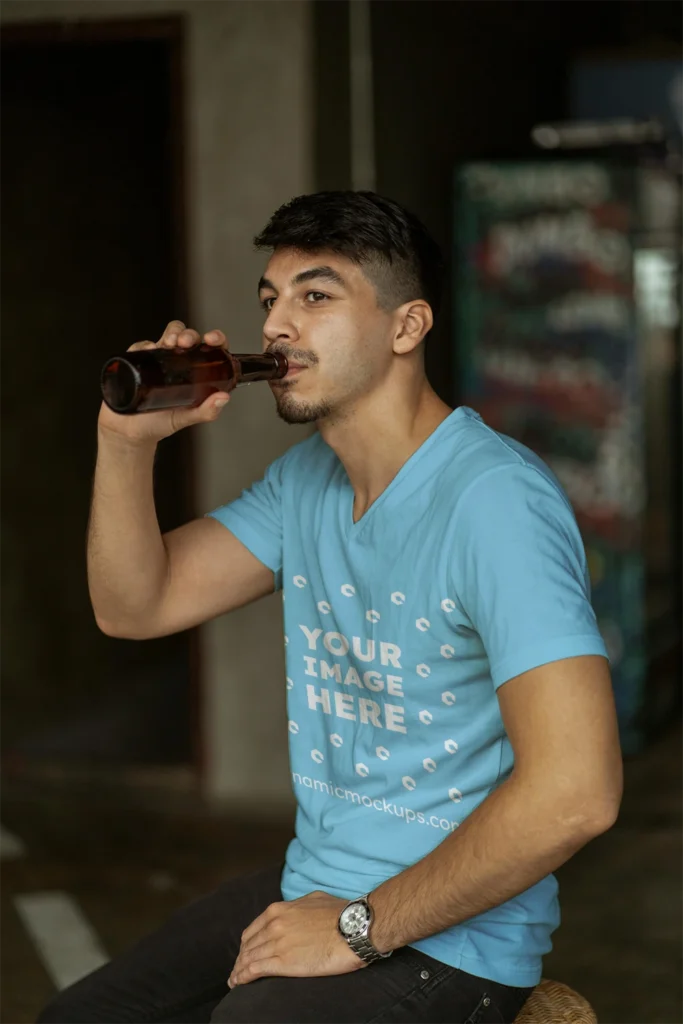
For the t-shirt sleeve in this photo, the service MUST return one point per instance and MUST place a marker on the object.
(519, 571)
(255, 518)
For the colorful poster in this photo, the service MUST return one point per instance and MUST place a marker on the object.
(546, 335)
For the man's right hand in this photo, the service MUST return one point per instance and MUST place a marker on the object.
(152, 427)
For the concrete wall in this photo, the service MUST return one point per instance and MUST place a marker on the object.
(248, 148)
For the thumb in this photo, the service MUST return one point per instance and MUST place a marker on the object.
(210, 409)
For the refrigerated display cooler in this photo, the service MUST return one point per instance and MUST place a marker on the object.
(567, 332)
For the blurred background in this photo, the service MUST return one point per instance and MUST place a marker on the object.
(144, 143)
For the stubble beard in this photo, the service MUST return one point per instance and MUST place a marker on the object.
(292, 411)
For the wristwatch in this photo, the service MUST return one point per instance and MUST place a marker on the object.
(354, 925)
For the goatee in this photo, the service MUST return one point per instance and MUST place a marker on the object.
(292, 411)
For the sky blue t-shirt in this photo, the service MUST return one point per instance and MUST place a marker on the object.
(468, 570)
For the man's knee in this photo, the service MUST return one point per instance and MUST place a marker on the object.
(81, 1003)
(220, 1012)
(61, 1010)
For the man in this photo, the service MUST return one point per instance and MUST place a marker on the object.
(452, 729)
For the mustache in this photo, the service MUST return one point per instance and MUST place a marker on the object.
(293, 355)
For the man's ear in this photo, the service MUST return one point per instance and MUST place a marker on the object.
(415, 320)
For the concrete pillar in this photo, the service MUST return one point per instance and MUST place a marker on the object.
(249, 148)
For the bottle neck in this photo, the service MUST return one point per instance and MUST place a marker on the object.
(252, 368)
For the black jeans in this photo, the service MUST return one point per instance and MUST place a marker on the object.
(178, 975)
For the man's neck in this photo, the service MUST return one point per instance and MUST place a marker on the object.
(377, 438)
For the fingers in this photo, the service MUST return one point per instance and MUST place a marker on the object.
(177, 335)
(216, 338)
(139, 345)
(173, 329)
(184, 338)
(262, 961)
(257, 925)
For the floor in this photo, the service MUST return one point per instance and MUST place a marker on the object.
(126, 859)
(621, 940)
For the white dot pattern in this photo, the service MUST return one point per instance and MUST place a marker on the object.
(425, 716)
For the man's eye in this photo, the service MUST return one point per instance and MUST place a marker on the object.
(268, 303)
(315, 296)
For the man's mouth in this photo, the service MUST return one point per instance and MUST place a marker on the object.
(294, 370)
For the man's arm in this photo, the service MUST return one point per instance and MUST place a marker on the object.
(143, 584)
(564, 790)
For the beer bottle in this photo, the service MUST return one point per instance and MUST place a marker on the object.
(152, 379)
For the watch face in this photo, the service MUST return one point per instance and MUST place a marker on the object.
(354, 919)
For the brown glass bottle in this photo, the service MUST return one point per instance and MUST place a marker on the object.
(156, 378)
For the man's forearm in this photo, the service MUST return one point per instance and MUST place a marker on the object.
(127, 561)
(517, 836)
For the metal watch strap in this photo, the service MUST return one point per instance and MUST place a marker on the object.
(363, 948)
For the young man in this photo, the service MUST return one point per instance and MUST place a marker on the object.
(452, 729)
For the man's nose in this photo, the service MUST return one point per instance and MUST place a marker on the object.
(279, 325)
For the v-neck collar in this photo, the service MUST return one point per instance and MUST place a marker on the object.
(355, 528)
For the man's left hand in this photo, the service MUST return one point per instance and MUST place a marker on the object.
(296, 939)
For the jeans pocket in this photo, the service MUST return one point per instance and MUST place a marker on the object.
(490, 1011)
(478, 1015)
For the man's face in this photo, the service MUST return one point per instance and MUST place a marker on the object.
(322, 314)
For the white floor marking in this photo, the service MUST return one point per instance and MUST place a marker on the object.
(66, 942)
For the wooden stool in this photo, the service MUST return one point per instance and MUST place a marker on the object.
(554, 1003)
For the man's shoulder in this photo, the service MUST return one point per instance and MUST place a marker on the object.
(484, 453)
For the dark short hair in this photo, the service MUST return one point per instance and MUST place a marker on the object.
(393, 247)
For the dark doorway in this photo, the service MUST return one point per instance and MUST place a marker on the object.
(92, 260)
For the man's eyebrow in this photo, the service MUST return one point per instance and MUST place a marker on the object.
(317, 273)
(265, 283)
(314, 274)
